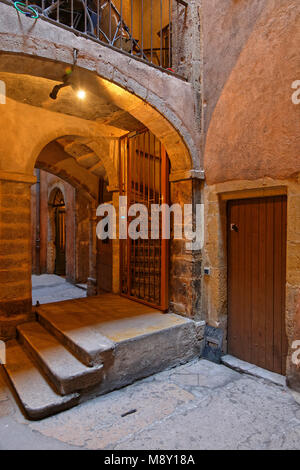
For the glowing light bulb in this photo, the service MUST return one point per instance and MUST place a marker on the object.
(81, 94)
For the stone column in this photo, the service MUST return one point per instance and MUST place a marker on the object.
(185, 265)
(116, 249)
(15, 251)
(92, 279)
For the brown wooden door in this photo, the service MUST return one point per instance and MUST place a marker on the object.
(256, 281)
(60, 241)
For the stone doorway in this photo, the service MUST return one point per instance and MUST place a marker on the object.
(60, 226)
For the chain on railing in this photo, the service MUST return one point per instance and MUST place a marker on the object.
(142, 28)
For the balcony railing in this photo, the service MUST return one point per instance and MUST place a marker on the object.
(142, 28)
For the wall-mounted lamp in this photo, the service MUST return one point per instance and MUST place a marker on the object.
(66, 80)
(56, 88)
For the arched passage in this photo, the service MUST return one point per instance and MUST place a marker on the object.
(61, 236)
(80, 141)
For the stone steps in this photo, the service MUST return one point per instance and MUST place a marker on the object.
(37, 397)
(63, 370)
(87, 344)
(81, 349)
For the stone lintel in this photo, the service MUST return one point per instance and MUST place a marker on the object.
(17, 177)
(183, 175)
(113, 189)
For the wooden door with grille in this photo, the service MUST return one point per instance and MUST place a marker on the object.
(144, 179)
(256, 281)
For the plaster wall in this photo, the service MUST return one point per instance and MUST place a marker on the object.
(253, 130)
(252, 144)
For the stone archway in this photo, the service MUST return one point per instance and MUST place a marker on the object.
(152, 98)
(76, 214)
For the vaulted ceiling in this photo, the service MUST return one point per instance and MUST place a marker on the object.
(76, 159)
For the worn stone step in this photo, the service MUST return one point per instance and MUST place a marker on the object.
(78, 333)
(149, 344)
(251, 369)
(36, 396)
(144, 340)
(66, 372)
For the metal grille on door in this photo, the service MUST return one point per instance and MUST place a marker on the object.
(144, 171)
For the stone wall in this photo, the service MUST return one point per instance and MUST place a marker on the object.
(82, 227)
(15, 253)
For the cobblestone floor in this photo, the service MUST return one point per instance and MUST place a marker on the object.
(199, 405)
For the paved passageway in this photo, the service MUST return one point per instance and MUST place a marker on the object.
(49, 288)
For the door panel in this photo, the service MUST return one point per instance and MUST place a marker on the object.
(256, 281)
(60, 241)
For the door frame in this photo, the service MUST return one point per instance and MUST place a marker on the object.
(60, 233)
(214, 285)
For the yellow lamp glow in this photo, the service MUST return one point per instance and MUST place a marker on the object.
(81, 94)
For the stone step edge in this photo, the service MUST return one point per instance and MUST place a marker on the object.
(251, 369)
(62, 385)
(198, 326)
(38, 413)
(89, 360)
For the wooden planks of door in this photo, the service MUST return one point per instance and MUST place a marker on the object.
(256, 281)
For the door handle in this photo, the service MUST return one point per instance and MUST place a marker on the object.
(234, 228)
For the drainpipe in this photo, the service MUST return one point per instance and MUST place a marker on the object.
(38, 223)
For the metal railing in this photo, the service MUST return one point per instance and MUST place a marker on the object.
(142, 28)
